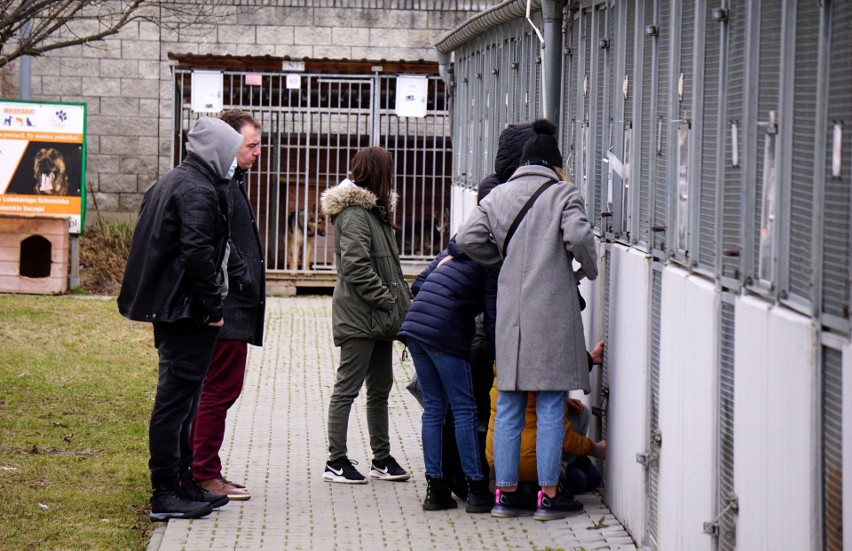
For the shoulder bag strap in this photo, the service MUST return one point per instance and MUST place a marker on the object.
(523, 213)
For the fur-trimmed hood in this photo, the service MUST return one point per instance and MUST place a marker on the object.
(348, 194)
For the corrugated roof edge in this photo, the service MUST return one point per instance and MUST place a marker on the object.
(497, 15)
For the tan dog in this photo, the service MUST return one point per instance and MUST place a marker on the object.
(301, 225)
(49, 173)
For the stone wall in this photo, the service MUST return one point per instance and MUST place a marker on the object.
(126, 80)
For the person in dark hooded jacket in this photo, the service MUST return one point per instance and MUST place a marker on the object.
(510, 145)
(176, 279)
(509, 148)
(244, 310)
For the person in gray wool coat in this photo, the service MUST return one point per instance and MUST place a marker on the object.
(540, 345)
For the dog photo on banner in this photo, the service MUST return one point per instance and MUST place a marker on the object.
(47, 169)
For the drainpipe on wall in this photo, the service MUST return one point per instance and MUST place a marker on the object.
(551, 11)
(445, 71)
(444, 67)
(26, 82)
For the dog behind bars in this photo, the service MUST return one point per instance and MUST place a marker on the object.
(424, 237)
(302, 226)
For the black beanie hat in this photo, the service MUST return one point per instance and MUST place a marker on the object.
(542, 149)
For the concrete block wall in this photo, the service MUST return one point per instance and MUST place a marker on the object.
(126, 80)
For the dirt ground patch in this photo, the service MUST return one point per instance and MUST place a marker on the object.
(103, 256)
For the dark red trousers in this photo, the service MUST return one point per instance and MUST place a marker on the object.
(222, 387)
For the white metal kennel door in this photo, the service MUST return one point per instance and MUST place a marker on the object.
(312, 126)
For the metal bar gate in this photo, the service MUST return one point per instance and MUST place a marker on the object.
(312, 126)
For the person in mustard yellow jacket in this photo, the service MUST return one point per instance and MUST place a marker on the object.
(579, 473)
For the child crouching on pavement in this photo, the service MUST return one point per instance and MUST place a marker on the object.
(438, 331)
(578, 474)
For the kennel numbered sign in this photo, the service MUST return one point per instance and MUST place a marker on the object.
(43, 159)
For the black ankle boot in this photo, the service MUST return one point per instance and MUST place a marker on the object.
(479, 497)
(438, 495)
(167, 503)
(458, 485)
(190, 489)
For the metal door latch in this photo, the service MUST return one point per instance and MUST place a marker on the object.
(712, 528)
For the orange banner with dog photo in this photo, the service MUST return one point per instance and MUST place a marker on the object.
(43, 159)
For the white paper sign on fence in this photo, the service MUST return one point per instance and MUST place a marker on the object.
(411, 96)
(207, 91)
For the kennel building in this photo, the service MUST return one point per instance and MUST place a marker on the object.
(711, 142)
(314, 119)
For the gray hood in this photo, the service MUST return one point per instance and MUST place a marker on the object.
(215, 143)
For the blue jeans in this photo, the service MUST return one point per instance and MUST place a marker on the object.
(581, 476)
(446, 379)
(550, 430)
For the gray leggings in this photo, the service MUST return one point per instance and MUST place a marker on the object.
(361, 361)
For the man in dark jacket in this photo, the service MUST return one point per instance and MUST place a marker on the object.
(244, 309)
(175, 279)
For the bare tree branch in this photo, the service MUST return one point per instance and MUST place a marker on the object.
(63, 23)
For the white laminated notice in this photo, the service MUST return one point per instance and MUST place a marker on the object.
(836, 149)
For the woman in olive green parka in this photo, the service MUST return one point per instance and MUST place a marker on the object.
(370, 301)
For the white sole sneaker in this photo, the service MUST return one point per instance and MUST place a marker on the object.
(379, 475)
(329, 476)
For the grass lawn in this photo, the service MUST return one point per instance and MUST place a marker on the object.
(77, 385)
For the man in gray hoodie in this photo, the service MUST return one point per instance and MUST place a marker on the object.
(176, 280)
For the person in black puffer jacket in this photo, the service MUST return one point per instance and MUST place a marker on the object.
(438, 330)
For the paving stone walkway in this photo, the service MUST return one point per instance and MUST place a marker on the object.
(276, 445)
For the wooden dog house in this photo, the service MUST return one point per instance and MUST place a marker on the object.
(34, 254)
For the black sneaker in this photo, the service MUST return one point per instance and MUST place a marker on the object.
(510, 505)
(388, 469)
(189, 489)
(342, 471)
(562, 505)
(167, 503)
